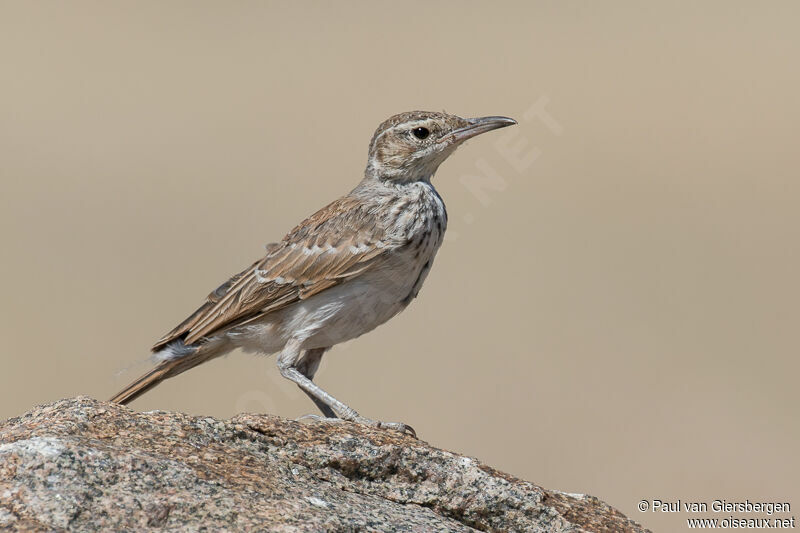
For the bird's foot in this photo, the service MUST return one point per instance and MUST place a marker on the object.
(396, 426)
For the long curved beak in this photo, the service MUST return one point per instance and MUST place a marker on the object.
(477, 126)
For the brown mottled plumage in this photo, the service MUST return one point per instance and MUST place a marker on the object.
(340, 224)
(342, 272)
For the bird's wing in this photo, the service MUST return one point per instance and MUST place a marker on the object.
(337, 243)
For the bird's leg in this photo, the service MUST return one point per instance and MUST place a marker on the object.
(308, 365)
(288, 363)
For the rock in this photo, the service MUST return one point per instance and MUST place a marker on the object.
(80, 464)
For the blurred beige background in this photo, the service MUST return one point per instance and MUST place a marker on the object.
(615, 310)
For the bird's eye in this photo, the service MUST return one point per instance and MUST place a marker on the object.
(420, 133)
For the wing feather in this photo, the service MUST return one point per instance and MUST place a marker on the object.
(313, 257)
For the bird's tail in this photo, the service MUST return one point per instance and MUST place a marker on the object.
(144, 383)
(163, 370)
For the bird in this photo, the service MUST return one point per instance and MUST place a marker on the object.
(340, 273)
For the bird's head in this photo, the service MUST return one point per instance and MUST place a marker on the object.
(411, 146)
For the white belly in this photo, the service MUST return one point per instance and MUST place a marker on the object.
(348, 311)
(340, 313)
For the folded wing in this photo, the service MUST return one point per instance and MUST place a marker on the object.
(313, 257)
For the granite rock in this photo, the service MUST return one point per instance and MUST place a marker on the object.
(83, 465)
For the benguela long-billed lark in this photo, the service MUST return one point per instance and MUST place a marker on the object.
(345, 270)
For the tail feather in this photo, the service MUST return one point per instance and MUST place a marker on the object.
(162, 371)
(143, 384)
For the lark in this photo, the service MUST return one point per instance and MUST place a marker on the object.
(342, 272)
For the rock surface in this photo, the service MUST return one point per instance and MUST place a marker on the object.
(84, 465)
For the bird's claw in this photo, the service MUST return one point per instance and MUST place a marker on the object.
(395, 426)
(315, 418)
